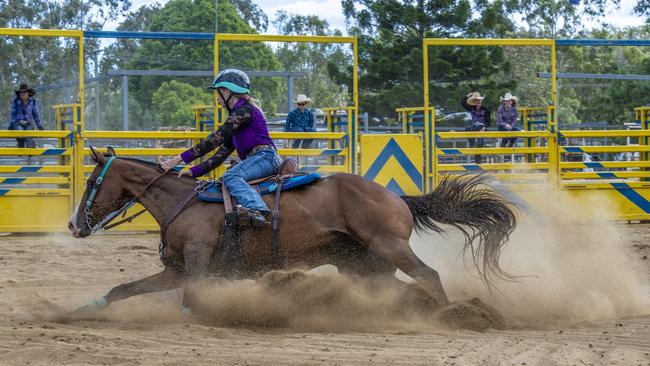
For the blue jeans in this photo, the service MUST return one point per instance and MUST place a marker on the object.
(264, 163)
(27, 141)
(508, 141)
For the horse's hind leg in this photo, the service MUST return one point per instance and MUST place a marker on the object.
(166, 280)
(398, 252)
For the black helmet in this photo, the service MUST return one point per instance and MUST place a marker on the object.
(232, 79)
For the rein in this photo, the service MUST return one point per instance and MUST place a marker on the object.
(102, 224)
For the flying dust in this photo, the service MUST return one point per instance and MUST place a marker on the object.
(565, 270)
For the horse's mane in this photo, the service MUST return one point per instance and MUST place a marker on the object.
(143, 162)
(154, 166)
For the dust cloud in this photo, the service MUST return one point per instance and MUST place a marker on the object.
(570, 264)
(567, 269)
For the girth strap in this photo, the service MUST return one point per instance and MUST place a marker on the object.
(275, 226)
(227, 201)
(171, 216)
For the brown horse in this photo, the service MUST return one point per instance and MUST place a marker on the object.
(344, 220)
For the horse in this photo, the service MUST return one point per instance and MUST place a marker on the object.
(343, 220)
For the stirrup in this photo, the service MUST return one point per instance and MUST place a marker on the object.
(257, 219)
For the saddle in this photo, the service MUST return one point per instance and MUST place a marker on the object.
(229, 261)
(212, 191)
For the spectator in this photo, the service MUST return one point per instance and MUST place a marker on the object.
(480, 114)
(507, 118)
(24, 114)
(300, 120)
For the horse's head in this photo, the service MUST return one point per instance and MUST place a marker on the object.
(104, 195)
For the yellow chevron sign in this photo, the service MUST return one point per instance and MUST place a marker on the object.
(394, 161)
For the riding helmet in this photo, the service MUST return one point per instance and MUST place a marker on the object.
(233, 79)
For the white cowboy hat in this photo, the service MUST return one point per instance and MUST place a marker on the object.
(473, 97)
(302, 98)
(509, 96)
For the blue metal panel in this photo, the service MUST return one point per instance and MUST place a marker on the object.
(148, 35)
(13, 180)
(602, 42)
(53, 152)
(330, 152)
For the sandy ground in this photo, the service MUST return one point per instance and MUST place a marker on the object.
(149, 330)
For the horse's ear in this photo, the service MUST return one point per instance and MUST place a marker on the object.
(97, 157)
(110, 151)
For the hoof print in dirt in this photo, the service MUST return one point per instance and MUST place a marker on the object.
(473, 315)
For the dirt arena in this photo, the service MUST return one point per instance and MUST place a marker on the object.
(581, 298)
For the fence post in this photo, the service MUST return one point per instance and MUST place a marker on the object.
(77, 153)
(553, 147)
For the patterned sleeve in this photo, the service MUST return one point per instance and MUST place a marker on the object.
(222, 153)
(239, 119)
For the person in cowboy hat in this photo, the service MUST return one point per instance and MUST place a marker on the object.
(507, 118)
(24, 114)
(300, 119)
(245, 131)
(480, 115)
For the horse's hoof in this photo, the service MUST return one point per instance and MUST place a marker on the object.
(473, 315)
(185, 310)
(87, 311)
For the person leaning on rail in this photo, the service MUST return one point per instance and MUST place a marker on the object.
(507, 118)
(480, 115)
(245, 130)
(24, 114)
(300, 119)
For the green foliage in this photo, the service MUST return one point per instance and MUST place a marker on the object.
(559, 18)
(608, 101)
(172, 103)
(47, 60)
(191, 16)
(390, 42)
(313, 58)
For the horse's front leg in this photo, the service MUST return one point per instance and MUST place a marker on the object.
(168, 279)
(197, 261)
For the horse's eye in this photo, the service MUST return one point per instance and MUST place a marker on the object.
(90, 183)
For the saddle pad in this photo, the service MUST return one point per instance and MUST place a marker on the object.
(212, 193)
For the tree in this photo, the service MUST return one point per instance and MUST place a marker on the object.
(191, 16)
(602, 100)
(390, 50)
(313, 58)
(251, 13)
(560, 18)
(47, 60)
(173, 101)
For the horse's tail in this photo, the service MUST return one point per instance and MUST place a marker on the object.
(479, 212)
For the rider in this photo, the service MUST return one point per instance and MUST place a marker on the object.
(245, 131)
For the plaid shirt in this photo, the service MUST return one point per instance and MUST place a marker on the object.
(479, 116)
(299, 121)
(506, 116)
(20, 112)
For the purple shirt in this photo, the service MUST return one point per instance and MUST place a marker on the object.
(244, 129)
(256, 133)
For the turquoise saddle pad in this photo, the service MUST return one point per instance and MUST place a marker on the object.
(212, 193)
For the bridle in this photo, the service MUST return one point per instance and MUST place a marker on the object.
(102, 223)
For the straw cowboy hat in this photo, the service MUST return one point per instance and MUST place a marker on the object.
(24, 87)
(509, 96)
(473, 97)
(302, 98)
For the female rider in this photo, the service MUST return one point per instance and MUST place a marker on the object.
(245, 131)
